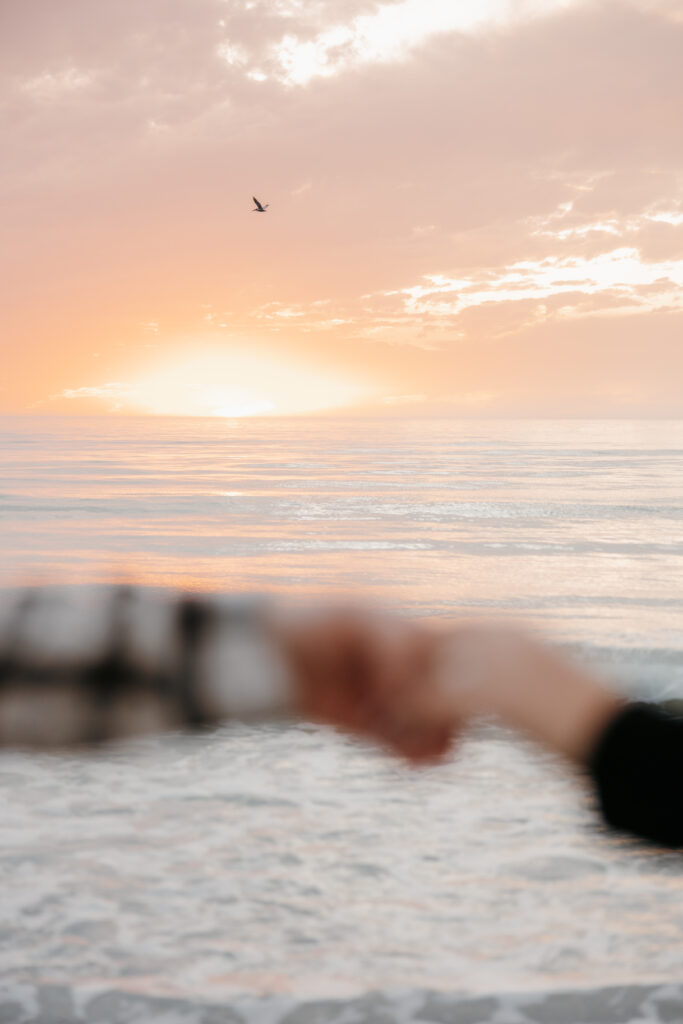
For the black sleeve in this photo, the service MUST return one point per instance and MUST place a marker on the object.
(637, 767)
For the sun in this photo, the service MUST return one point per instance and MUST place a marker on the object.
(235, 383)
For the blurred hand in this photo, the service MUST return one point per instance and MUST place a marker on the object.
(370, 674)
(414, 689)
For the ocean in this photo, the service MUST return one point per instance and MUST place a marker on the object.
(269, 873)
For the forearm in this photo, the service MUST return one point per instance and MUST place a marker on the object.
(86, 664)
(507, 674)
(560, 704)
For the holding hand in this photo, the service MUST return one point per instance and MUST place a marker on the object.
(413, 688)
(370, 674)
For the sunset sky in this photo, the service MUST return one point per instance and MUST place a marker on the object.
(476, 207)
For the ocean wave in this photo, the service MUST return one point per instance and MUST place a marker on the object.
(632, 1004)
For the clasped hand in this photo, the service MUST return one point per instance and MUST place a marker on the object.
(414, 688)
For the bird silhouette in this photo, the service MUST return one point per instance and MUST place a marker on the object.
(260, 207)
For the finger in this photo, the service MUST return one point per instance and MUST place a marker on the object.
(423, 746)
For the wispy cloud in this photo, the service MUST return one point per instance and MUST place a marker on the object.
(620, 276)
(390, 33)
(112, 389)
(115, 395)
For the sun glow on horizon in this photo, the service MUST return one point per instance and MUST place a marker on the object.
(239, 383)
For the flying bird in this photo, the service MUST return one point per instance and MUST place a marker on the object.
(259, 208)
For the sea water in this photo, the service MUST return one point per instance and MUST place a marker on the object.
(270, 873)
